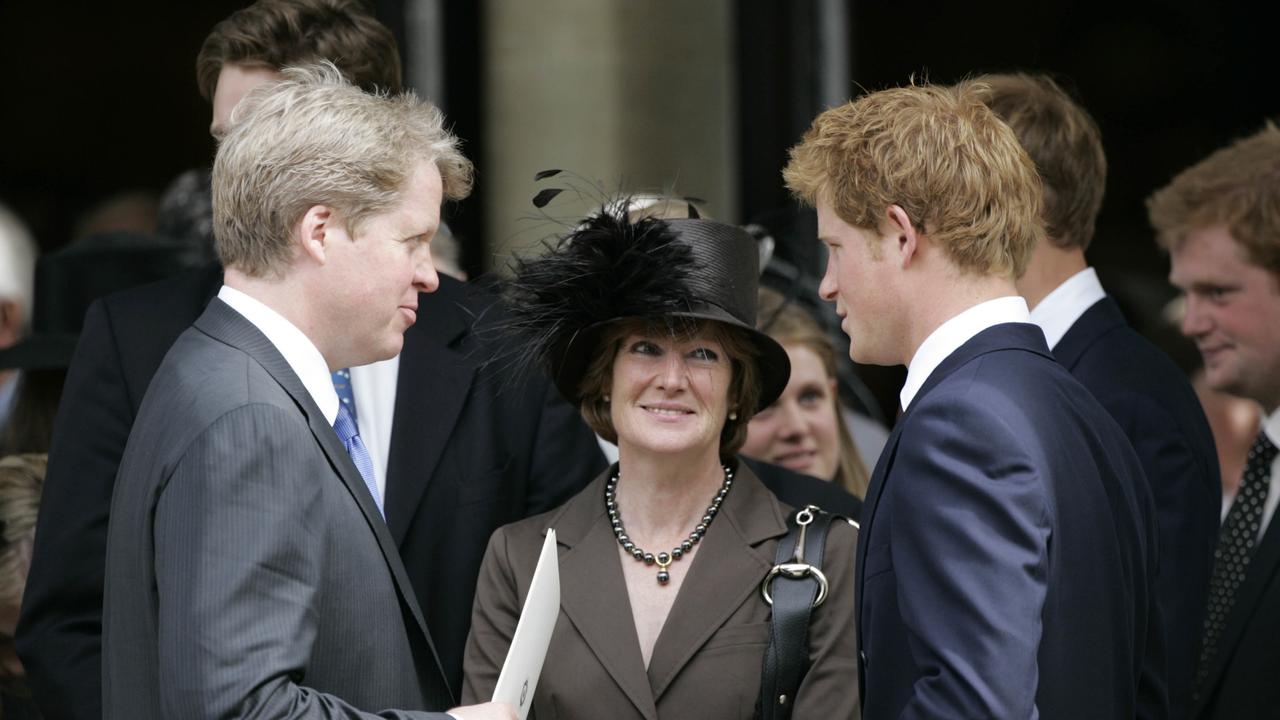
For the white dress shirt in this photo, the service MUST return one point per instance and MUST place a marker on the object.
(950, 335)
(374, 387)
(1060, 309)
(298, 350)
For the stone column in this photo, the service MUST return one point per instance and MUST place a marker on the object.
(633, 96)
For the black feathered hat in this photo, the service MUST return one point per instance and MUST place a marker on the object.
(611, 268)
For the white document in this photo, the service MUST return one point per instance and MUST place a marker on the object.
(519, 677)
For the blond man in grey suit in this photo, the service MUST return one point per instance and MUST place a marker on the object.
(249, 569)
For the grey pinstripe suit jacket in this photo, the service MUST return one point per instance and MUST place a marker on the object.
(248, 571)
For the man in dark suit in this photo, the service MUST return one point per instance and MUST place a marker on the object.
(466, 449)
(1149, 397)
(1006, 563)
(249, 570)
(1218, 220)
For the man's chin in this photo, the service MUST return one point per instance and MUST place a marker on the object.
(377, 353)
(1220, 380)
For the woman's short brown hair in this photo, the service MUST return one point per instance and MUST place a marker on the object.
(744, 387)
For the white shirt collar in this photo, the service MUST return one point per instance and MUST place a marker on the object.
(1060, 309)
(298, 350)
(1271, 426)
(955, 332)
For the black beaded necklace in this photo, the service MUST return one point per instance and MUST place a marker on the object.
(663, 560)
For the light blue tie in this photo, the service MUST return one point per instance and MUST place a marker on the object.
(349, 434)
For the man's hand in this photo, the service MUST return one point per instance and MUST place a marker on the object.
(487, 711)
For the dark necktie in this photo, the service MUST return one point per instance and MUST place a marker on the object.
(1236, 542)
(349, 434)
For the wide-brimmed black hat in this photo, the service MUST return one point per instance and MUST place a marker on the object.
(611, 268)
(68, 280)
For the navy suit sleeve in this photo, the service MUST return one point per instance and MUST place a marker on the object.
(566, 455)
(59, 634)
(969, 548)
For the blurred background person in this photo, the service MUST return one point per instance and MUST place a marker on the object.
(1220, 221)
(446, 253)
(804, 429)
(21, 478)
(17, 276)
(66, 283)
(1233, 420)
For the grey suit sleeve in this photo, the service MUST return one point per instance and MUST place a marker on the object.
(237, 568)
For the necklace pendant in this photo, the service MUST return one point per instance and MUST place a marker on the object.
(663, 560)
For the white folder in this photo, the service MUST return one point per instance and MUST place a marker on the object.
(520, 671)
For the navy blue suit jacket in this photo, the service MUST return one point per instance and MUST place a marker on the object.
(1006, 561)
(1154, 405)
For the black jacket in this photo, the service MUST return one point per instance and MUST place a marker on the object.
(1154, 405)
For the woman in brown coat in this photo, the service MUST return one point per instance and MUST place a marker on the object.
(649, 327)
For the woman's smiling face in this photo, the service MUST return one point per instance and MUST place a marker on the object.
(670, 394)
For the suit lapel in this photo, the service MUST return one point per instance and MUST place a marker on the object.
(431, 389)
(225, 324)
(726, 572)
(593, 595)
(1007, 336)
(865, 520)
(1262, 568)
(1100, 318)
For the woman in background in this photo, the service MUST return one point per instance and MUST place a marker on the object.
(804, 430)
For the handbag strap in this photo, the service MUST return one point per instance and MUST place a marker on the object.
(794, 587)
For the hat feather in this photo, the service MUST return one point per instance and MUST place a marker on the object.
(607, 268)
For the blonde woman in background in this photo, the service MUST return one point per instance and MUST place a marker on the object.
(804, 430)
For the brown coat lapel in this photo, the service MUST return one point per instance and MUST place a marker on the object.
(714, 613)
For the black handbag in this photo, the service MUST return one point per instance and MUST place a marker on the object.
(794, 587)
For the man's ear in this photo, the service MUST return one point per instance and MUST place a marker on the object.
(314, 233)
(905, 235)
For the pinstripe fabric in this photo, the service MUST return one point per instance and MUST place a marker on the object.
(249, 573)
